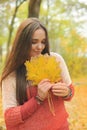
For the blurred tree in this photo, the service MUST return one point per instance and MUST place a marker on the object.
(0, 53)
(34, 8)
(17, 5)
(73, 49)
(64, 20)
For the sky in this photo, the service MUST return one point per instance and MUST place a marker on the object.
(83, 1)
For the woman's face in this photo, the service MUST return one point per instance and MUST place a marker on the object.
(38, 42)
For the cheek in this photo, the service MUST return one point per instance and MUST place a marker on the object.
(44, 46)
(33, 47)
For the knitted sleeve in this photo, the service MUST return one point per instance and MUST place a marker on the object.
(15, 114)
(64, 74)
(72, 93)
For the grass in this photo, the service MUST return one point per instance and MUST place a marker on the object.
(76, 107)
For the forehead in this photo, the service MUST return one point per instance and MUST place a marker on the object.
(39, 33)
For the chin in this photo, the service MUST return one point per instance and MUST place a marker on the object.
(35, 54)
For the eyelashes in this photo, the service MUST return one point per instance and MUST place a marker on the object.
(35, 42)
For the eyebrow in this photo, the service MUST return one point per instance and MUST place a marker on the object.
(37, 39)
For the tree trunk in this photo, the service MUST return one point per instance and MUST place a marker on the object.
(0, 54)
(34, 8)
(12, 23)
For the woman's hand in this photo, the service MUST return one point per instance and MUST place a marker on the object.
(60, 89)
(43, 87)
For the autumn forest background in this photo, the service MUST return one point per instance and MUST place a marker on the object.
(66, 21)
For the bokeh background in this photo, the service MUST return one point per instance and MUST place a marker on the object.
(66, 21)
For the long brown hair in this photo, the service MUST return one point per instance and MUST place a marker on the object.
(20, 53)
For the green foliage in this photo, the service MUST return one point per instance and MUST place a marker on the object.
(58, 16)
(23, 11)
(2, 64)
(73, 49)
(63, 33)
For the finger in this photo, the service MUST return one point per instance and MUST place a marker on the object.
(46, 87)
(43, 84)
(60, 83)
(58, 91)
(59, 88)
(58, 94)
(44, 80)
(49, 86)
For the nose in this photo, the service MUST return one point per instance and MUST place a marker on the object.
(39, 46)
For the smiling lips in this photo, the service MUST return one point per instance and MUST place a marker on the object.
(38, 52)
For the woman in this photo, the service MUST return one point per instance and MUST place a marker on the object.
(25, 106)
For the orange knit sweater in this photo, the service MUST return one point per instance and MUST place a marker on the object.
(31, 116)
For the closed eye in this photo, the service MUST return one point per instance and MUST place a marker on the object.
(34, 41)
(44, 42)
